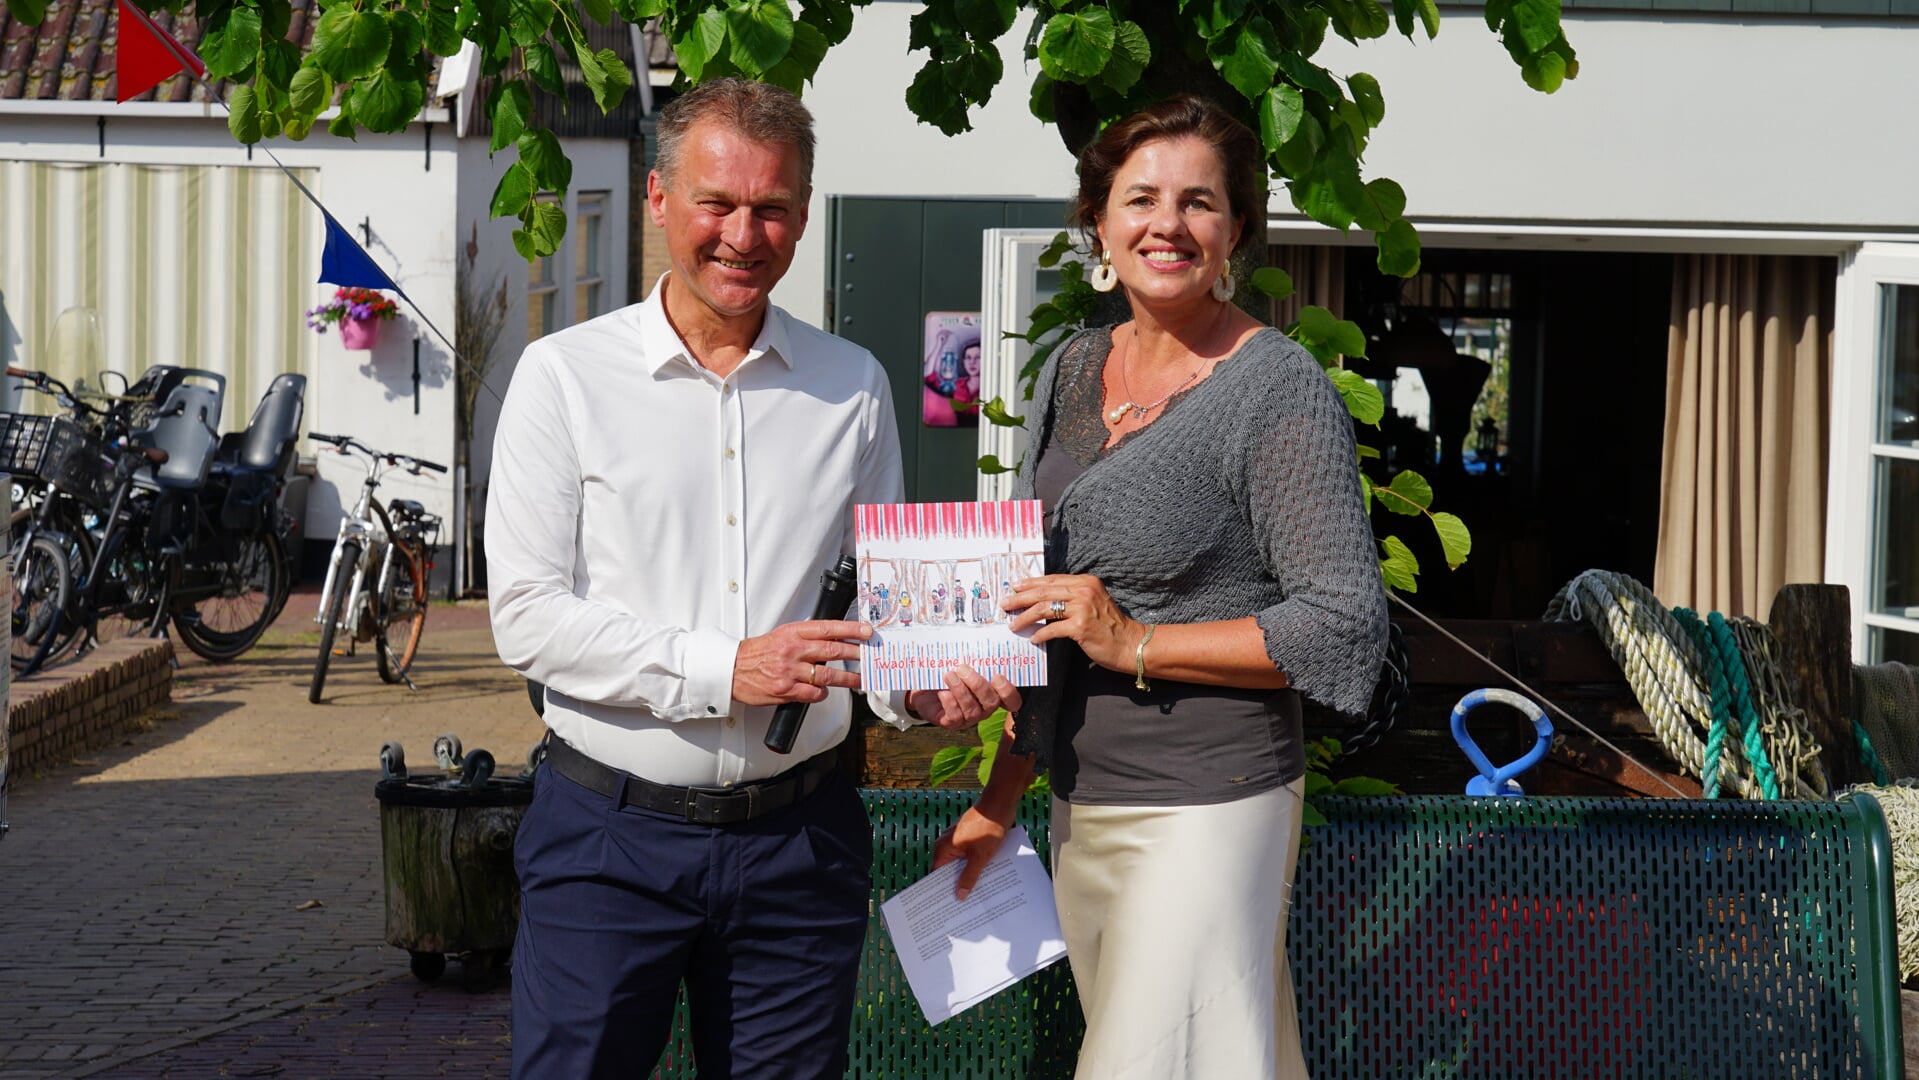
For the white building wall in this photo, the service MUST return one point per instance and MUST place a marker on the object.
(1674, 120)
(422, 208)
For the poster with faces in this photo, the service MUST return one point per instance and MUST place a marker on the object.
(949, 385)
(931, 578)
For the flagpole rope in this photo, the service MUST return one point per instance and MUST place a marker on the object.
(199, 75)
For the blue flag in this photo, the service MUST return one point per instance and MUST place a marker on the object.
(345, 263)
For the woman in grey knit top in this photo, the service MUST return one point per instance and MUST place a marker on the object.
(1211, 562)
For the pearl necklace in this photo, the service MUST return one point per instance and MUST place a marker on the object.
(1140, 409)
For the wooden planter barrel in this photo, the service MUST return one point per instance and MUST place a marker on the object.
(450, 885)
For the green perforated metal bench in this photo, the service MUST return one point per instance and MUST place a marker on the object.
(1497, 938)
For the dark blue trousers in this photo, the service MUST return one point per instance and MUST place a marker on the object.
(762, 921)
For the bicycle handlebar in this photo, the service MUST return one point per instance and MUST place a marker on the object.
(408, 461)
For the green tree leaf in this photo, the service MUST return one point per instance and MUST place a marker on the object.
(1409, 494)
(1399, 249)
(243, 114)
(1310, 816)
(513, 193)
(386, 102)
(1399, 567)
(309, 93)
(443, 27)
(1366, 95)
(600, 11)
(544, 67)
(548, 227)
(279, 63)
(1383, 203)
(702, 42)
(948, 762)
(1299, 157)
(834, 18)
(1253, 61)
(1061, 243)
(762, 32)
(1454, 538)
(350, 44)
(1309, 76)
(30, 12)
(1273, 282)
(1279, 113)
(523, 243)
(1318, 784)
(990, 465)
(1536, 22)
(540, 151)
(342, 123)
(606, 76)
(1075, 45)
(1363, 399)
(530, 19)
(511, 108)
(231, 44)
(298, 128)
(995, 412)
(985, 20)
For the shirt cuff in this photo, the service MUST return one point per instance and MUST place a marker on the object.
(709, 660)
(890, 707)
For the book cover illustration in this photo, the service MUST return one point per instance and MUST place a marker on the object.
(931, 578)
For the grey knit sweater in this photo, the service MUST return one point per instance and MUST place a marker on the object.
(1241, 499)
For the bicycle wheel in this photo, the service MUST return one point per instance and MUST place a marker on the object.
(402, 612)
(42, 593)
(252, 585)
(335, 607)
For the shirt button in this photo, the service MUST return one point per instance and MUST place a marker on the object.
(729, 453)
(711, 709)
(726, 390)
(731, 520)
(732, 586)
(730, 721)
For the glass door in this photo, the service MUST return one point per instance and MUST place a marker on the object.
(1873, 520)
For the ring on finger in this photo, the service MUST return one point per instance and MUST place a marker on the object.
(1056, 610)
(813, 674)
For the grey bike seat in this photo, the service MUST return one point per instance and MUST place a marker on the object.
(183, 426)
(268, 443)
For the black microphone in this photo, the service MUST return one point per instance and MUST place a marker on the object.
(836, 595)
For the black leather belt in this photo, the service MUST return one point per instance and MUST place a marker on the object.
(700, 805)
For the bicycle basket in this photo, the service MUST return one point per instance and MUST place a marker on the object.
(58, 451)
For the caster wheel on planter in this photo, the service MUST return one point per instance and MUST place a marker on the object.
(480, 970)
(427, 966)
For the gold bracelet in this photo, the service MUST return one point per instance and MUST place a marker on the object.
(1139, 660)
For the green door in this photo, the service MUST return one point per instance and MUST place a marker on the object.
(892, 262)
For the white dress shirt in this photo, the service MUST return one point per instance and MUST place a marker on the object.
(645, 516)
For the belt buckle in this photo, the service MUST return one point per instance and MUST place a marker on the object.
(721, 806)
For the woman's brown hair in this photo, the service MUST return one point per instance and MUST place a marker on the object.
(1238, 148)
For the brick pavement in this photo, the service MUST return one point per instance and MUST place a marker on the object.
(155, 898)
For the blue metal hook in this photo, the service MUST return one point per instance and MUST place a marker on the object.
(1500, 780)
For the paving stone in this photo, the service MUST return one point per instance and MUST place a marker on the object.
(151, 894)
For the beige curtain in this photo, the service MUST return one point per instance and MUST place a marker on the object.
(1742, 506)
(1319, 279)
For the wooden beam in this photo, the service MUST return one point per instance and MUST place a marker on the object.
(1814, 627)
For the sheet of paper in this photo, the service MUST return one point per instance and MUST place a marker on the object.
(931, 579)
(958, 953)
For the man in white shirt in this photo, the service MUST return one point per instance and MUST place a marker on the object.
(669, 481)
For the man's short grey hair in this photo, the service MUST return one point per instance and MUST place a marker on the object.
(757, 111)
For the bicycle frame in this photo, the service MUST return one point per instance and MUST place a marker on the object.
(368, 524)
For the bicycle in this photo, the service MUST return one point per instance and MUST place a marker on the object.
(375, 588)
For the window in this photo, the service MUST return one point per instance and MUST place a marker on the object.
(542, 298)
(589, 256)
(1895, 481)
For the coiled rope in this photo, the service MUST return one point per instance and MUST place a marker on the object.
(1702, 684)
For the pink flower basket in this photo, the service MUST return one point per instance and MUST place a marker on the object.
(359, 333)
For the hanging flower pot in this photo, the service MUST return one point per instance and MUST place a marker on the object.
(358, 312)
(359, 333)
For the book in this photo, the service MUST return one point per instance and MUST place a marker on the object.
(931, 579)
(958, 953)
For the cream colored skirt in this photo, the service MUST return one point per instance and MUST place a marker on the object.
(1175, 922)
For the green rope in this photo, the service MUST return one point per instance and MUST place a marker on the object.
(1722, 715)
(1745, 715)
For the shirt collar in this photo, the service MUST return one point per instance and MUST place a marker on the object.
(660, 343)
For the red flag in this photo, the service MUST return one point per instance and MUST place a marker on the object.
(147, 55)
